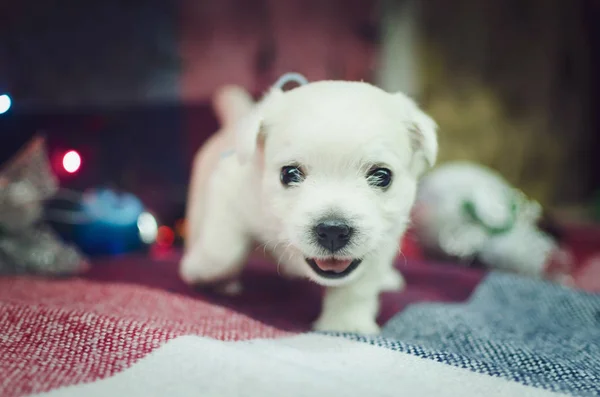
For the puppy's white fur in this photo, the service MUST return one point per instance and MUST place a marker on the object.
(336, 132)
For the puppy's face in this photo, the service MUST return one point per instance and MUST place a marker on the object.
(339, 163)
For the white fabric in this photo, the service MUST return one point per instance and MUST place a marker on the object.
(303, 365)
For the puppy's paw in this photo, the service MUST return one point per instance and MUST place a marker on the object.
(197, 269)
(189, 270)
(392, 281)
(351, 325)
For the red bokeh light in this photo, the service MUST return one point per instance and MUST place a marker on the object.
(165, 237)
(71, 161)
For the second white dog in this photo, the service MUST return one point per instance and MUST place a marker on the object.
(325, 176)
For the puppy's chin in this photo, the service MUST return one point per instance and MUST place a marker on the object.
(330, 272)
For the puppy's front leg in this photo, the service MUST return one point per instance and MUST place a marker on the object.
(392, 281)
(353, 307)
(220, 250)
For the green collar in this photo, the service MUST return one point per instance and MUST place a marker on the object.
(468, 208)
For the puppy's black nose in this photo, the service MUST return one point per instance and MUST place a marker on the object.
(333, 234)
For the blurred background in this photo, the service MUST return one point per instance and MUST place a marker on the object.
(127, 85)
(103, 104)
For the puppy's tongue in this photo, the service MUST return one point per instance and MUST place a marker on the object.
(333, 265)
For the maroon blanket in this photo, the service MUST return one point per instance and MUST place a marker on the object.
(293, 304)
(289, 304)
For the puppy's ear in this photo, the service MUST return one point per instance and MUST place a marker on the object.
(422, 131)
(250, 130)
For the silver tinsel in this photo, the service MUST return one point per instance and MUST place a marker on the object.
(27, 245)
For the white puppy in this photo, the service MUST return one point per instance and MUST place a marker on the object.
(324, 176)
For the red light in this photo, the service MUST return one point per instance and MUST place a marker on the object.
(165, 237)
(71, 161)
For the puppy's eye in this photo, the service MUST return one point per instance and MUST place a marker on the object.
(291, 175)
(380, 177)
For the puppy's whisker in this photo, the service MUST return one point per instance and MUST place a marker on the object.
(403, 257)
(282, 254)
(279, 265)
(277, 245)
(264, 246)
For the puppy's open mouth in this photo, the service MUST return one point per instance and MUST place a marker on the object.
(333, 268)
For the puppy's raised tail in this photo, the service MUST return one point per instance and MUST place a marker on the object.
(231, 103)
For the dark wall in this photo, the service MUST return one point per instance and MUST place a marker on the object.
(143, 150)
(72, 53)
